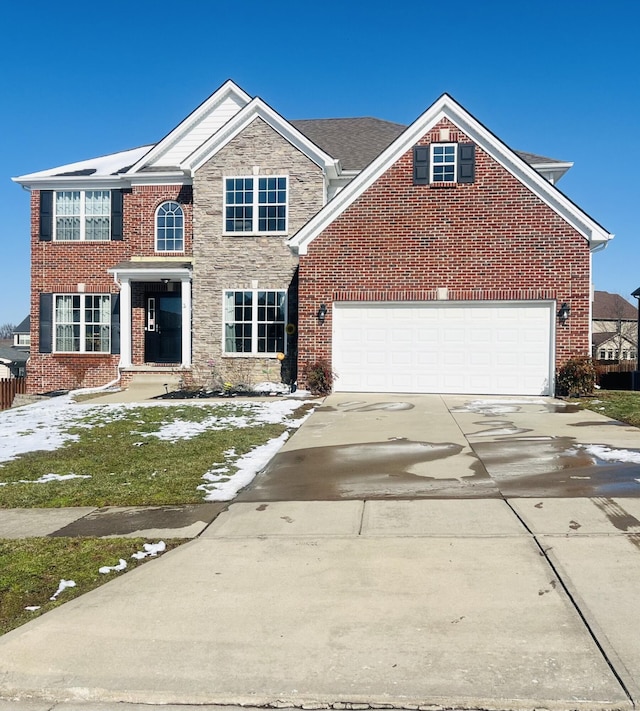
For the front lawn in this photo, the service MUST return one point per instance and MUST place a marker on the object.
(31, 571)
(133, 455)
(622, 405)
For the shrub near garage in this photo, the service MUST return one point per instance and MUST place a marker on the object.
(577, 377)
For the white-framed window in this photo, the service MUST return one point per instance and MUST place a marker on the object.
(82, 323)
(255, 204)
(82, 215)
(254, 321)
(170, 227)
(603, 354)
(444, 162)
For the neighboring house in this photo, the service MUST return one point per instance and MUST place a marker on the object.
(13, 361)
(615, 327)
(428, 258)
(22, 334)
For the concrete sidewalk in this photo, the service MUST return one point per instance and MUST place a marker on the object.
(446, 604)
(379, 561)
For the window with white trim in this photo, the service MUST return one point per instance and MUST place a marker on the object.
(254, 321)
(82, 215)
(170, 227)
(82, 323)
(255, 205)
(444, 162)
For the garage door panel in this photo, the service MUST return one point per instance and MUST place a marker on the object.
(499, 348)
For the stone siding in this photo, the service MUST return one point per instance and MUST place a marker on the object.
(245, 261)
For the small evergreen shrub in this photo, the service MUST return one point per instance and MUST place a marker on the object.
(576, 377)
(319, 377)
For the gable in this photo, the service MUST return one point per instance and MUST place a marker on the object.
(447, 113)
(197, 128)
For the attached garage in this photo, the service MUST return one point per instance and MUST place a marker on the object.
(497, 348)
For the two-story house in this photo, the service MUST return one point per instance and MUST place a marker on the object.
(427, 258)
(615, 328)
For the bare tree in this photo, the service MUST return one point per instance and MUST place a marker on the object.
(6, 330)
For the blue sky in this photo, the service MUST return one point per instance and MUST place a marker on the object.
(560, 78)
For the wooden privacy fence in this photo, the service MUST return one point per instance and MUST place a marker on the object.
(9, 388)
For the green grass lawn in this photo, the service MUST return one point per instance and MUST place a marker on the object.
(123, 464)
(622, 405)
(126, 465)
(31, 570)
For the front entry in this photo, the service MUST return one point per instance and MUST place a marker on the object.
(163, 328)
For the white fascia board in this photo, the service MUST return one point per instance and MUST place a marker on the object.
(259, 109)
(85, 182)
(229, 88)
(176, 177)
(105, 170)
(594, 233)
(446, 107)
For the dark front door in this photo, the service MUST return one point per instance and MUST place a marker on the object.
(163, 332)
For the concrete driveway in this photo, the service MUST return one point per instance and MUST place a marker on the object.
(424, 446)
(377, 563)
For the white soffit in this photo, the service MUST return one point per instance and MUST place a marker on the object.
(259, 109)
(446, 107)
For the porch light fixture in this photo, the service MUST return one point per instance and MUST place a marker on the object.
(563, 314)
(322, 313)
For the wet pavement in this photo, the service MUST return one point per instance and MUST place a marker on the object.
(408, 446)
(504, 575)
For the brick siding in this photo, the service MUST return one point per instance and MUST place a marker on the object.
(488, 240)
(59, 267)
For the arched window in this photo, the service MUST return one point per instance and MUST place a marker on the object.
(169, 228)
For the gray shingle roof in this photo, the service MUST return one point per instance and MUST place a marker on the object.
(354, 141)
(357, 141)
(612, 307)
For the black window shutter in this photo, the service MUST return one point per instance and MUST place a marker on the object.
(466, 163)
(115, 323)
(46, 215)
(421, 165)
(46, 321)
(116, 214)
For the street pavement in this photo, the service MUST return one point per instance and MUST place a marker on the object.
(398, 552)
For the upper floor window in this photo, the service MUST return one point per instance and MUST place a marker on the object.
(82, 215)
(170, 227)
(255, 205)
(443, 162)
(82, 323)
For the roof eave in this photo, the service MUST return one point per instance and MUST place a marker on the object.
(257, 108)
(447, 107)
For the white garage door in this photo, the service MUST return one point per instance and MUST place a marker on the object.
(499, 348)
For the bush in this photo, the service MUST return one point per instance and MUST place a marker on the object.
(576, 377)
(319, 377)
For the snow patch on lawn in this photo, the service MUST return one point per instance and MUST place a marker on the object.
(223, 486)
